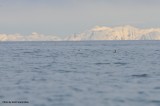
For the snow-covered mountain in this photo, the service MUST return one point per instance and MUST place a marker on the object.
(117, 33)
(33, 37)
(97, 33)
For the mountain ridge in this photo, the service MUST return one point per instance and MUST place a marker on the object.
(126, 32)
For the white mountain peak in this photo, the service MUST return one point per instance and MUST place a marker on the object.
(101, 28)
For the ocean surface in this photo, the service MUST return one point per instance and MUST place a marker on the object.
(88, 73)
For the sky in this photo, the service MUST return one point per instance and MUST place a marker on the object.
(66, 17)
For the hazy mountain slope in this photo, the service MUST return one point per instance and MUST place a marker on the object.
(33, 37)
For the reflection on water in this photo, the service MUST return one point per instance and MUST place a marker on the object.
(80, 73)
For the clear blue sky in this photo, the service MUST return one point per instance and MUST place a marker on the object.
(65, 17)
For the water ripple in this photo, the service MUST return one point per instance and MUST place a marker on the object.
(140, 75)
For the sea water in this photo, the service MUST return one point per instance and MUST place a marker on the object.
(88, 73)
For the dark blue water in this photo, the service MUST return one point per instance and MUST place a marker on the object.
(98, 73)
